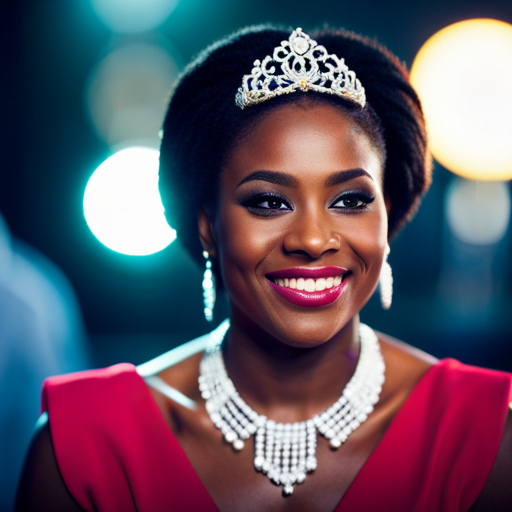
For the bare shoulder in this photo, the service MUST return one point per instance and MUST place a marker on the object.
(405, 365)
(497, 493)
(41, 485)
(404, 351)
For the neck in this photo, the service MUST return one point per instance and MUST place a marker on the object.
(287, 383)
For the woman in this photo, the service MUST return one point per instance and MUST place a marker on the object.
(290, 180)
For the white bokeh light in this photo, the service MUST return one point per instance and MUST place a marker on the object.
(122, 205)
(478, 211)
(463, 75)
(133, 15)
(126, 94)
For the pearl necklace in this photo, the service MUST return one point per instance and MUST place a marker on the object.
(286, 452)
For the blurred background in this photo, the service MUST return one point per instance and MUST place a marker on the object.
(87, 79)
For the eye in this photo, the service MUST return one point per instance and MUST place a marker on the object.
(273, 203)
(349, 202)
(353, 201)
(266, 204)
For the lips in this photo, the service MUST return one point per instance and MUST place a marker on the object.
(309, 287)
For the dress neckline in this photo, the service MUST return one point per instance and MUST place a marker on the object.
(370, 462)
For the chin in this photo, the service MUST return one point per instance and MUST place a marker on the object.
(302, 331)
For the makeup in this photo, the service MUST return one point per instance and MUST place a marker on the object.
(309, 287)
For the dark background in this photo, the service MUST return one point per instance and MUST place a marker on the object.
(137, 307)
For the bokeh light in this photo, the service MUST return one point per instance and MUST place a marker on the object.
(478, 211)
(133, 15)
(122, 205)
(126, 94)
(463, 75)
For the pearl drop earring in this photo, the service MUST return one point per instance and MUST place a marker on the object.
(209, 294)
(386, 282)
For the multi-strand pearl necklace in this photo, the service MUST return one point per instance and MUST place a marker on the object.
(285, 452)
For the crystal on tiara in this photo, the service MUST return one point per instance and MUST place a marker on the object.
(305, 65)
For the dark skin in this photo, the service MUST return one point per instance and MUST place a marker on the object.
(287, 362)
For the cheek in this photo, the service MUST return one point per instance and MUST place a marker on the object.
(365, 239)
(371, 232)
(244, 241)
(369, 240)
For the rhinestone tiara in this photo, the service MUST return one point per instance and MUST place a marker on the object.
(305, 66)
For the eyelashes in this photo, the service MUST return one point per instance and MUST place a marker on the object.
(270, 204)
(353, 200)
(267, 204)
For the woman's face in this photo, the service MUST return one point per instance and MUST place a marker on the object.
(301, 206)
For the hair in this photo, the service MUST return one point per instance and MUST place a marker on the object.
(203, 124)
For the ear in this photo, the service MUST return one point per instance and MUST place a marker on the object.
(205, 228)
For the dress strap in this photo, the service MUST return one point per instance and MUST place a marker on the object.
(155, 382)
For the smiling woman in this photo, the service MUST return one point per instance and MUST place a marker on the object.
(291, 180)
(288, 183)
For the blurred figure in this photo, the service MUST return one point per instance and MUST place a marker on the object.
(41, 334)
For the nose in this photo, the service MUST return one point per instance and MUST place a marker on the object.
(312, 234)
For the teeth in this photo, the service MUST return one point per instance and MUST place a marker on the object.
(310, 285)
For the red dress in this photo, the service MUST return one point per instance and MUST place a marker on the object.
(118, 455)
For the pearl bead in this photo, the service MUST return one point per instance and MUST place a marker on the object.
(258, 463)
(251, 428)
(285, 479)
(311, 464)
(335, 443)
(230, 436)
(301, 476)
(238, 444)
(288, 490)
(329, 434)
(274, 476)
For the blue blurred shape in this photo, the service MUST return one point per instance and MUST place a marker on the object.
(478, 212)
(131, 16)
(41, 334)
(475, 260)
(126, 90)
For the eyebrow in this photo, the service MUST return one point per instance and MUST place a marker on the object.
(341, 176)
(287, 180)
(278, 178)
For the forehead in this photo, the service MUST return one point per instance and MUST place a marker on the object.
(306, 142)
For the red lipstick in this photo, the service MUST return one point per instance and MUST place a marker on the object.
(312, 298)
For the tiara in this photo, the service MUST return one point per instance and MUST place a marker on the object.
(305, 66)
